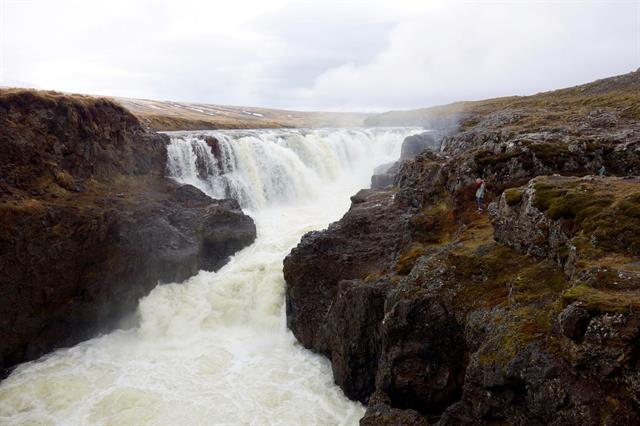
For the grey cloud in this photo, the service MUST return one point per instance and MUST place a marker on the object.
(315, 55)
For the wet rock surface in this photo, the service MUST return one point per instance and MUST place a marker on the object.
(89, 224)
(336, 255)
(385, 175)
(414, 145)
(434, 314)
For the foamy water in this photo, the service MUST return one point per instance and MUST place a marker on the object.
(215, 349)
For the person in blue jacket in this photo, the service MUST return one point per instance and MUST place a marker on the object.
(480, 187)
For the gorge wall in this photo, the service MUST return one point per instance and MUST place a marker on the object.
(88, 222)
(432, 313)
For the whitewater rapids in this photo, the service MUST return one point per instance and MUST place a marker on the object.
(215, 348)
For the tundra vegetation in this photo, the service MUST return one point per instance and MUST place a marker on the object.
(527, 315)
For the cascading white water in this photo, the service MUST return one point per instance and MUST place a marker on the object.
(262, 167)
(215, 349)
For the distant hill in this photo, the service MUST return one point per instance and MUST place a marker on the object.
(167, 115)
(619, 90)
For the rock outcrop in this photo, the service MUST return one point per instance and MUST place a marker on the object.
(432, 314)
(569, 219)
(338, 255)
(414, 145)
(385, 174)
(89, 224)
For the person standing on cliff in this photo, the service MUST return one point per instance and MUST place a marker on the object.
(480, 186)
(602, 170)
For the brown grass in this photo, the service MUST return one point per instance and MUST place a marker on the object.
(604, 300)
(548, 109)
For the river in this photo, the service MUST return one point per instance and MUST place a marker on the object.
(215, 348)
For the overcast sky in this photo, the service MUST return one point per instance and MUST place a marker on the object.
(324, 55)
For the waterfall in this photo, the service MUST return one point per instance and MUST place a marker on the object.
(265, 167)
(215, 349)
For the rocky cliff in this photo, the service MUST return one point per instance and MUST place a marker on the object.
(432, 313)
(88, 222)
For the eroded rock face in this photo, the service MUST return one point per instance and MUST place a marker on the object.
(414, 145)
(314, 269)
(88, 223)
(568, 218)
(519, 224)
(531, 318)
(386, 174)
(52, 142)
(474, 333)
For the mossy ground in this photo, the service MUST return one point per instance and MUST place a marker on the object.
(604, 300)
(522, 292)
(433, 225)
(513, 196)
(485, 158)
(606, 212)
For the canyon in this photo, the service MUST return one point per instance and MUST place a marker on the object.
(176, 275)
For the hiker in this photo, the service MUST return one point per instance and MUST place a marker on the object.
(480, 193)
(602, 170)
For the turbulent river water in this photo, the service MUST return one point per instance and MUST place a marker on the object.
(215, 348)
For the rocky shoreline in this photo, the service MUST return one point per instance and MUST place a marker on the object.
(88, 222)
(434, 314)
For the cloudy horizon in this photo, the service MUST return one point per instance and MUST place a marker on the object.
(316, 55)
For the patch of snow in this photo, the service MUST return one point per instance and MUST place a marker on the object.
(255, 114)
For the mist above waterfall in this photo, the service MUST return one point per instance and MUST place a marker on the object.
(266, 167)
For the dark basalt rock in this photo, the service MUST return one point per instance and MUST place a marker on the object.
(322, 259)
(89, 224)
(385, 174)
(531, 318)
(352, 334)
(414, 145)
(573, 321)
(382, 180)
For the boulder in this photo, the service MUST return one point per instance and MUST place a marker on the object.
(384, 175)
(414, 145)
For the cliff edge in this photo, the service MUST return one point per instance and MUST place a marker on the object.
(432, 313)
(88, 222)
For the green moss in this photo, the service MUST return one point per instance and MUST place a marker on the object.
(538, 282)
(603, 300)
(632, 112)
(630, 206)
(513, 196)
(432, 225)
(469, 123)
(594, 212)
(549, 153)
(617, 229)
(503, 276)
(486, 158)
(569, 202)
(528, 291)
(593, 147)
(524, 325)
(408, 259)
(563, 253)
